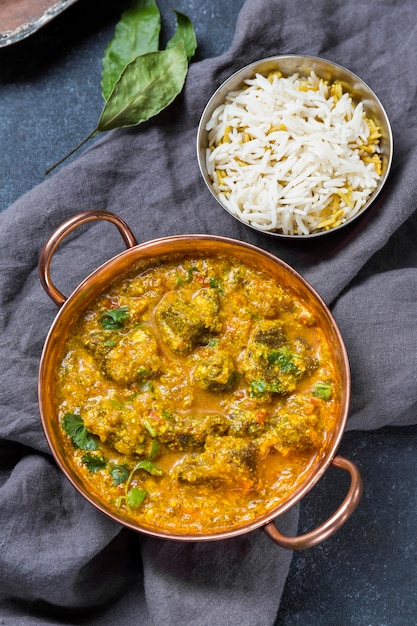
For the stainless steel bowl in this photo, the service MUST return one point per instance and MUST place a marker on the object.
(303, 65)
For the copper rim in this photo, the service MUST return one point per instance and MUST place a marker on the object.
(169, 246)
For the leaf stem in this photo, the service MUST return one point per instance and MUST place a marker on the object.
(90, 136)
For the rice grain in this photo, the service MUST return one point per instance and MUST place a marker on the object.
(292, 154)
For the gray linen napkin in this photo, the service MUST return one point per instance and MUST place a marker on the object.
(62, 562)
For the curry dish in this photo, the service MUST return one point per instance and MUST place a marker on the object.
(196, 394)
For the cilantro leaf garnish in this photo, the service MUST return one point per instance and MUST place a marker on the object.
(258, 388)
(114, 319)
(93, 462)
(154, 450)
(190, 272)
(149, 467)
(135, 497)
(181, 281)
(75, 429)
(284, 359)
(119, 473)
(215, 284)
(151, 430)
(323, 391)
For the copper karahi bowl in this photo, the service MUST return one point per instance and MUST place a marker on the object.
(321, 164)
(70, 308)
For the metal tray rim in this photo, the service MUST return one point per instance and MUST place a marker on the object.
(29, 24)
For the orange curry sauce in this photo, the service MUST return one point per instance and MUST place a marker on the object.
(195, 395)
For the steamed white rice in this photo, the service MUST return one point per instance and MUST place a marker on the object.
(292, 154)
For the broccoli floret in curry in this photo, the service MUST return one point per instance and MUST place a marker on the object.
(117, 425)
(273, 298)
(190, 431)
(215, 369)
(273, 364)
(225, 461)
(247, 422)
(295, 426)
(184, 322)
(134, 358)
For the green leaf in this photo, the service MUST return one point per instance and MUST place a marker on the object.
(181, 281)
(135, 497)
(114, 319)
(284, 359)
(119, 473)
(146, 86)
(136, 33)
(149, 467)
(138, 80)
(74, 427)
(215, 284)
(258, 388)
(323, 391)
(93, 462)
(154, 450)
(151, 430)
(185, 33)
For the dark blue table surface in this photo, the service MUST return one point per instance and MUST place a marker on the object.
(366, 574)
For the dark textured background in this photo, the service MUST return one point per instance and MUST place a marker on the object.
(50, 94)
(49, 100)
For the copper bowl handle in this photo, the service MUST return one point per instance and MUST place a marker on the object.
(67, 227)
(335, 521)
